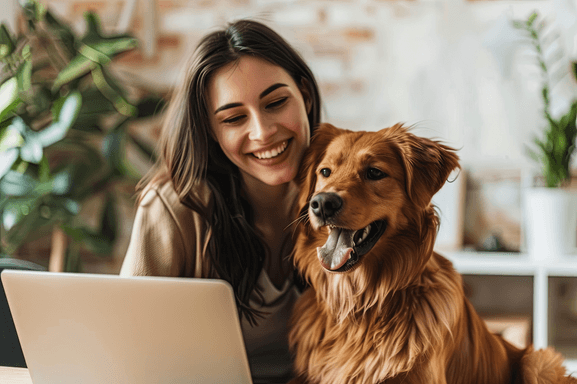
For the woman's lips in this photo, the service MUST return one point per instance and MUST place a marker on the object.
(273, 152)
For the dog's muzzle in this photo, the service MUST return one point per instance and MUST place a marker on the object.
(344, 246)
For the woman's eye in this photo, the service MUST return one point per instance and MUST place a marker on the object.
(234, 119)
(375, 174)
(325, 172)
(277, 103)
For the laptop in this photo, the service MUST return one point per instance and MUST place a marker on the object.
(89, 328)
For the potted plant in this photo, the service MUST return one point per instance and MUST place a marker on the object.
(63, 135)
(550, 207)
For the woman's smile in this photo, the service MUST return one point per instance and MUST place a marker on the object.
(272, 153)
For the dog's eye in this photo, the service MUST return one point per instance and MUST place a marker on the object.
(375, 174)
(325, 172)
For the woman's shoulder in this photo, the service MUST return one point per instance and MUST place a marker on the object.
(164, 222)
(163, 191)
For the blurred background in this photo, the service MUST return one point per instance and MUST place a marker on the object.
(464, 72)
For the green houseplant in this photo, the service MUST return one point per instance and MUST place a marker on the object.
(550, 209)
(63, 134)
(555, 150)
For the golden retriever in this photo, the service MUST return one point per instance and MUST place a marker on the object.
(382, 306)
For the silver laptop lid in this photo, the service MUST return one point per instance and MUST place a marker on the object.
(86, 328)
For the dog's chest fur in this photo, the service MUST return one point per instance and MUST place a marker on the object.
(377, 344)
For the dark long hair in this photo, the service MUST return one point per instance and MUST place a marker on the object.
(189, 155)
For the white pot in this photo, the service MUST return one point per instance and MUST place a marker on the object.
(550, 222)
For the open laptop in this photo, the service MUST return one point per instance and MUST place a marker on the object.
(87, 328)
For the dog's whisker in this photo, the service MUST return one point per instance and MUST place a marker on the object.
(298, 220)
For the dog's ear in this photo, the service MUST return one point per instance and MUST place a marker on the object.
(427, 164)
(306, 178)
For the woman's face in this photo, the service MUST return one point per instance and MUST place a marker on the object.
(259, 117)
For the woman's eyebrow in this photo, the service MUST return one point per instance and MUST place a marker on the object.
(227, 106)
(271, 88)
(262, 94)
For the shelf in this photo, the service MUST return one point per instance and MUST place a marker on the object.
(571, 366)
(523, 264)
(512, 263)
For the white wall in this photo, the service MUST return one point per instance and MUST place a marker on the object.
(431, 63)
(8, 14)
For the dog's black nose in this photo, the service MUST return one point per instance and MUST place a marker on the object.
(325, 204)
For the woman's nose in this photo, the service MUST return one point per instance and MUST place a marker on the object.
(262, 129)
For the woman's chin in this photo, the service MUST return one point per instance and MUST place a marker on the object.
(271, 178)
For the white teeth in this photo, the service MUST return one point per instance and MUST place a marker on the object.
(272, 153)
(364, 235)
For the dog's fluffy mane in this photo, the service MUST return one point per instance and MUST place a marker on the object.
(355, 293)
(384, 293)
(401, 312)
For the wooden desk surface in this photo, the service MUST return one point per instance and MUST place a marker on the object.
(11, 375)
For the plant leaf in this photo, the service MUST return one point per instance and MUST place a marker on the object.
(94, 54)
(14, 211)
(42, 215)
(65, 110)
(109, 46)
(78, 67)
(7, 160)
(8, 97)
(24, 76)
(17, 184)
(62, 182)
(31, 150)
(6, 44)
(109, 90)
(10, 138)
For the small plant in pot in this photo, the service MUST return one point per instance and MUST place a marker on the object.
(551, 207)
(64, 119)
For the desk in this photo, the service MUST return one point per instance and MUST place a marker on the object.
(11, 375)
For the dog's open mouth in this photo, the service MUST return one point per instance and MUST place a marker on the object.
(344, 247)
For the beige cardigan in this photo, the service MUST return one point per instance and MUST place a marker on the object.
(167, 235)
(168, 239)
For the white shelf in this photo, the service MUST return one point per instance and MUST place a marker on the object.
(571, 366)
(511, 264)
(522, 264)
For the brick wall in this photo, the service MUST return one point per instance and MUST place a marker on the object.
(423, 62)
(378, 62)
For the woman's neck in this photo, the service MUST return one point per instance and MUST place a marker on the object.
(273, 212)
(270, 203)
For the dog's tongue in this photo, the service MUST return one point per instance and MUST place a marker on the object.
(337, 250)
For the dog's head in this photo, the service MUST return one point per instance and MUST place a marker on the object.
(367, 194)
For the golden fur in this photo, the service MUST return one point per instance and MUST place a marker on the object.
(399, 315)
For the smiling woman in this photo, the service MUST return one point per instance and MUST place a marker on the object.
(260, 120)
(221, 199)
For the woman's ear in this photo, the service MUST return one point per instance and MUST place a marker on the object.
(305, 89)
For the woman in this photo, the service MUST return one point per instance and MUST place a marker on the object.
(221, 198)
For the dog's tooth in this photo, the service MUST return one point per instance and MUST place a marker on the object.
(365, 233)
